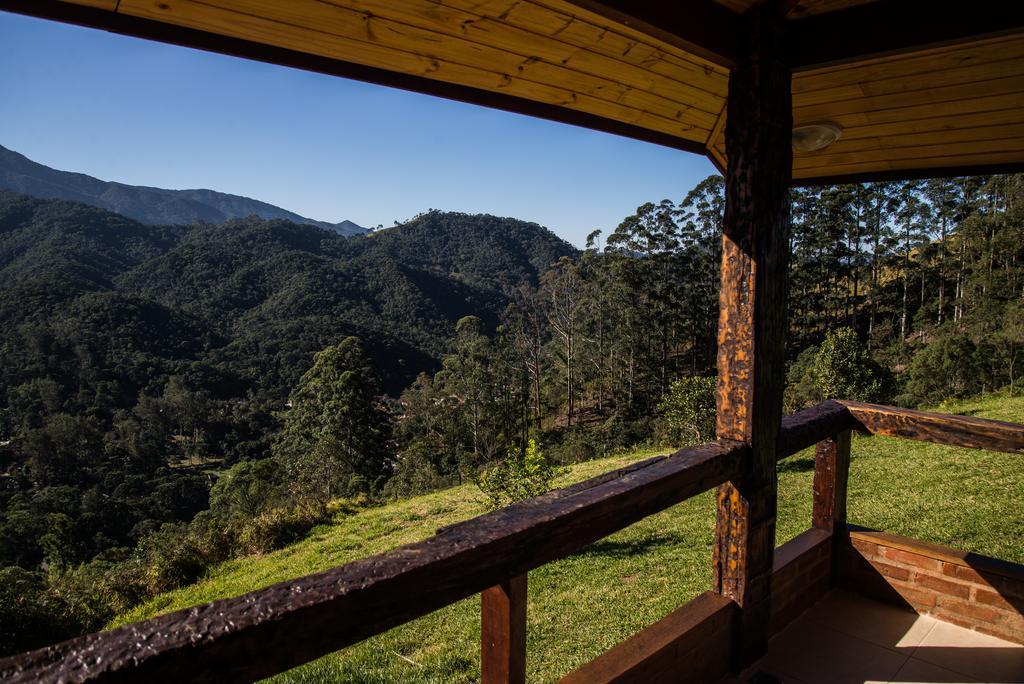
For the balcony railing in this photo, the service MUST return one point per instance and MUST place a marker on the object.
(287, 624)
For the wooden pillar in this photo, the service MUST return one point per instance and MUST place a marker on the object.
(831, 474)
(752, 320)
(503, 633)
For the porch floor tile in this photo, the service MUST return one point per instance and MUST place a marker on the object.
(850, 639)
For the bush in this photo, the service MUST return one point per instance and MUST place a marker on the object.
(248, 488)
(278, 527)
(688, 411)
(801, 389)
(173, 559)
(949, 367)
(842, 368)
(518, 477)
(620, 433)
(29, 616)
(415, 473)
(578, 444)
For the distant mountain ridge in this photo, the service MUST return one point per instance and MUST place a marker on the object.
(153, 206)
(251, 299)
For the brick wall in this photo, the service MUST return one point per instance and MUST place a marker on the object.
(972, 591)
(801, 575)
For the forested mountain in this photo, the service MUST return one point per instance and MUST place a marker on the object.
(255, 299)
(479, 250)
(144, 204)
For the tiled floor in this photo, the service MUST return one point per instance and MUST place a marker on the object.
(846, 638)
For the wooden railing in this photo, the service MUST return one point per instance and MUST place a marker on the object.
(287, 624)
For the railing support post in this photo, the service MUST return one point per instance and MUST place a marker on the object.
(831, 475)
(752, 321)
(503, 632)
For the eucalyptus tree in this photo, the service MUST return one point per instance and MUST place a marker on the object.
(562, 293)
(701, 216)
(335, 432)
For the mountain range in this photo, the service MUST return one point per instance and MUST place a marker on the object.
(249, 299)
(152, 206)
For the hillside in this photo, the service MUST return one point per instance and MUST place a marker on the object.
(256, 298)
(148, 205)
(582, 605)
(476, 249)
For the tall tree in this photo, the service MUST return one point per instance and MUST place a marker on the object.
(334, 438)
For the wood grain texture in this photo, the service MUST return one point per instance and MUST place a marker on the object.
(831, 475)
(806, 428)
(271, 630)
(700, 27)
(752, 321)
(690, 644)
(892, 27)
(934, 109)
(503, 632)
(938, 428)
(419, 39)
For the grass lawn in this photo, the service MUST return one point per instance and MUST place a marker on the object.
(582, 605)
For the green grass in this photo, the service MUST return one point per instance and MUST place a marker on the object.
(582, 605)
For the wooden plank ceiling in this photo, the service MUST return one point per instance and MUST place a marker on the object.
(798, 9)
(949, 107)
(959, 106)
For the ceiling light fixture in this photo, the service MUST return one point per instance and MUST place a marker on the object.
(815, 136)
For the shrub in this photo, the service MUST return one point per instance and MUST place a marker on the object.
(248, 488)
(172, 558)
(415, 473)
(842, 368)
(619, 433)
(801, 389)
(579, 444)
(278, 527)
(688, 411)
(29, 616)
(518, 477)
(949, 367)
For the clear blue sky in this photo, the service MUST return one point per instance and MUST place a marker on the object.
(150, 114)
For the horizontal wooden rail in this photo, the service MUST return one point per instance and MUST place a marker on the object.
(271, 630)
(806, 428)
(938, 428)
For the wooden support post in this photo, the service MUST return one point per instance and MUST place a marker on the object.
(503, 633)
(831, 474)
(752, 321)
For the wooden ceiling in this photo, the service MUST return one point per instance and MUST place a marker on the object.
(798, 9)
(948, 102)
(928, 111)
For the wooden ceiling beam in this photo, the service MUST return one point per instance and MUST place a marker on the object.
(149, 29)
(701, 27)
(885, 175)
(891, 27)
